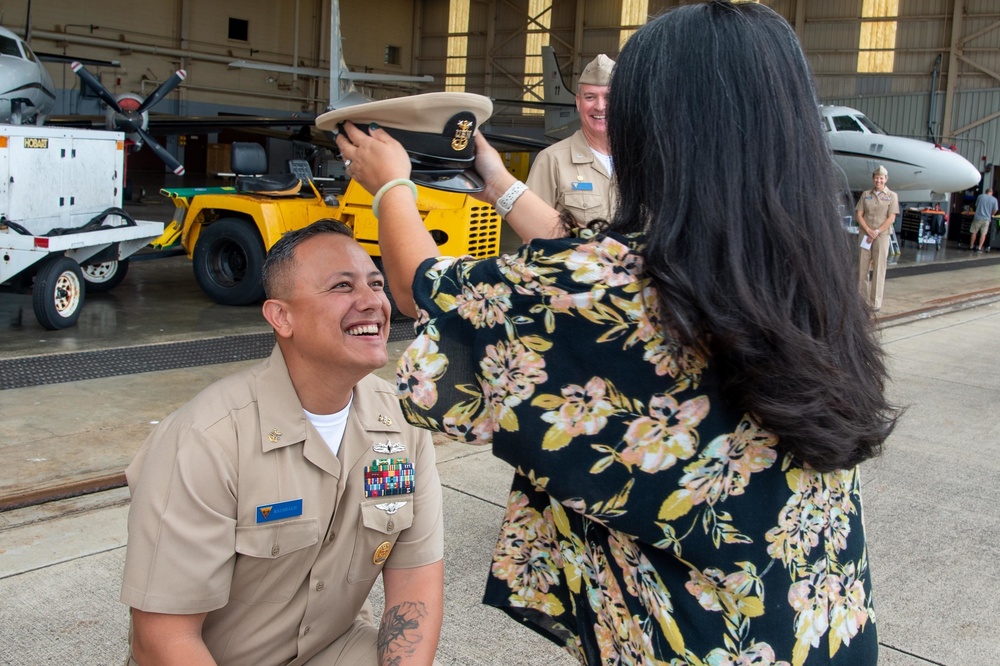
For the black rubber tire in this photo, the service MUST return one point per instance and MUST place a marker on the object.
(105, 276)
(228, 259)
(58, 293)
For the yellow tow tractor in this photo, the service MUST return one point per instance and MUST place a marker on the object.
(226, 231)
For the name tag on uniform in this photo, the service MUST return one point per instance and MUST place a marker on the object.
(583, 187)
(267, 513)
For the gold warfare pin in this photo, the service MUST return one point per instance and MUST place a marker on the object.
(388, 447)
(390, 507)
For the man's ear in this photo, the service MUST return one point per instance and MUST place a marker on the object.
(277, 315)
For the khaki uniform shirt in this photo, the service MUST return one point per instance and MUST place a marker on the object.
(569, 177)
(877, 206)
(239, 508)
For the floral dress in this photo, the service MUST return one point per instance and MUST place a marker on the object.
(648, 523)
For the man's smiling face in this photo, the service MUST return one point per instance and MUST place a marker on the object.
(338, 307)
(592, 103)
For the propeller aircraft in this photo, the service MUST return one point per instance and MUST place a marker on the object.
(27, 94)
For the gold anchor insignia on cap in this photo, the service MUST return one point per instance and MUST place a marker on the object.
(382, 553)
(462, 135)
(384, 420)
(274, 435)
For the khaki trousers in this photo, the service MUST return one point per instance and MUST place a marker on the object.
(873, 261)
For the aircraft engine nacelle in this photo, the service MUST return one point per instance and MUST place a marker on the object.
(128, 118)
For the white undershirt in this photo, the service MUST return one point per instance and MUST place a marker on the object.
(603, 159)
(331, 426)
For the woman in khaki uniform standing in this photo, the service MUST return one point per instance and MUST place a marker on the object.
(877, 210)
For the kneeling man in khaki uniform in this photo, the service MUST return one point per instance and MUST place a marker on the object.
(264, 510)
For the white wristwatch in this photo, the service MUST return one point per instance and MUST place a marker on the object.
(507, 199)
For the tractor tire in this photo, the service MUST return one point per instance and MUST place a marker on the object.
(58, 293)
(228, 259)
(105, 276)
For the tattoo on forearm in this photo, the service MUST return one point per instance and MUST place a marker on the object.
(399, 634)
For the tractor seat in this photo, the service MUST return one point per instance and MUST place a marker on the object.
(248, 161)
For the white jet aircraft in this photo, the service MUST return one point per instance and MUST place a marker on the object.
(918, 170)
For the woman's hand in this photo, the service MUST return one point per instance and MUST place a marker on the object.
(372, 159)
(494, 172)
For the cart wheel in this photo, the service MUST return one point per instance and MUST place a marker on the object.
(57, 294)
(105, 276)
(228, 259)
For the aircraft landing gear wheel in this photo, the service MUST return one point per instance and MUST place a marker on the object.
(105, 276)
(228, 259)
(57, 294)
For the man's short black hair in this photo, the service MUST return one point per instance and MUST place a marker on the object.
(279, 257)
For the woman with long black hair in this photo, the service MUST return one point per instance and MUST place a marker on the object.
(685, 391)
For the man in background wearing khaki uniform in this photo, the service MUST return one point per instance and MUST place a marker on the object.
(574, 175)
(264, 510)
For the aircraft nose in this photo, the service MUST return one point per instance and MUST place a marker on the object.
(960, 174)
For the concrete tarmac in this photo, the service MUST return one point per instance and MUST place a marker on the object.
(930, 510)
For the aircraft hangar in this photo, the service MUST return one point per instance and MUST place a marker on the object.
(921, 68)
(184, 81)
(259, 71)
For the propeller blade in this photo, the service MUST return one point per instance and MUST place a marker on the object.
(163, 89)
(162, 153)
(95, 85)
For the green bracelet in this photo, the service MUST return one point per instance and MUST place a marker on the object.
(388, 186)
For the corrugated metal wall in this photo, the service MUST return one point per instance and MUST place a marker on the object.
(211, 86)
(579, 29)
(831, 35)
(497, 37)
(901, 101)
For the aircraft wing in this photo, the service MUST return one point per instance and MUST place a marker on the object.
(67, 60)
(278, 127)
(161, 124)
(532, 104)
(305, 134)
(167, 124)
(515, 142)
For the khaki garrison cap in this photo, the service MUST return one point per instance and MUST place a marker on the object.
(435, 128)
(598, 71)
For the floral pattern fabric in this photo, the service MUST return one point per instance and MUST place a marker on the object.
(648, 522)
